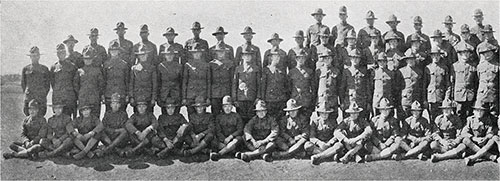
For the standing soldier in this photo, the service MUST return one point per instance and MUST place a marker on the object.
(100, 55)
(116, 76)
(171, 46)
(126, 47)
(221, 70)
(463, 76)
(57, 134)
(114, 132)
(324, 47)
(283, 62)
(353, 132)
(327, 81)
(418, 133)
(86, 132)
(301, 83)
(195, 77)
(384, 83)
(425, 40)
(310, 53)
(201, 128)
(312, 33)
(417, 48)
(394, 54)
(449, 36)
(364, 34)
(356, 85)
(322, 143)
(488, 71)
(393, 24)
(437, 83)
(340, 30)
(350, 46)
(450, 55)
(62, 80)
(476, 29)
(411, 85)
(143, 80)
(141, 127)
(294, 131)
(169, 78)
(260, 134)
(197, 41)
(471, 39)
(248, 36)
(228, 130)
(90, 83)
(375, 48)
(246, 82)
(447, 138)
(74, 56)
(488, 37)
(147, 45)
(478, 134)
(35, 82)
(274, 85)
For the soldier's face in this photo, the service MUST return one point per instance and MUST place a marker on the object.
(248, 37)
(114, 53)
(115, 106)
(417, 26)
(86, 113)
(299, 41)
(93, 38)
(33, 111)
(351, 41)
(220, 36)
(247, 58)
(355, 60)
(323, 115)
(465, 35)
(488, 35)
(411, 62)
(327, 59)
(141, 108)
(261, 114)
(370, 22)
(144, 35)
(169, 57)
(70, 44)
(324, 39)
(293, 113)
(200, 109)
(448, 26)
(275, 42)
(342, 17)
(374, 40)
(464, 55)
(227, 108)
(435, 57)
(479, 113)
(354, 115)
(196, 32)
(487, 55)
(318, 17)
(393, 43)
(35, 57)
(170, 110)
(142, 57)
(301, 60)
(87, 61)
(478, 19)
(382, 63)
(447, 111)
(197, 55)
(170, 37)
(61, 54)
(121, 32)
(438, 40)
(415, 45)
(416, 114)
(58, 111)
(393, 25)
(385, 112)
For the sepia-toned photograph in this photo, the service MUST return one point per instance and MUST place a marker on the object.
(249, 90)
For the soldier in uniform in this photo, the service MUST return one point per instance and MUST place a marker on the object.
(387, 136)
(294, 131)
(353, 132)
(364, 34)
(141, 127)
(489, 38)
(246, 82)
(259, 135)
(201, 128)
(450, 55)
(322, 143)
(275, 88)
(471, 39)
(335, 61)
(340, 30)
(393, 22)
(488, 71)
(479, 134)
(384, 83)
(301, 84)
(355, 86)
(375, 49)
(228, 130)
(143, 80)
(221, 70)
(437, 81)
(411, 84)
(309, 53)
(425, 40)
(449, 36)
(418, 132)
(197, 41)
(114, 133)
(152, 51)
(34, 132)
(447, 139)
(73, 56)
(57, 134)
(85, 131)
(126, 47)
(169, 78)
(195, 77)
(463, 77)
(100, 55)
(62, 80)
(283, 62)
(476, 29)
(416, 47)
(248, 36)
(350, 39)
(35, 82)
(90, 83)
(327, 82)
(116, 76)
(394, 54)
(312, 33)
(172, 46)
(172, 131)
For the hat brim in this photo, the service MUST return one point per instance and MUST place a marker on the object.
(197, 28)
(313, 14)
(324, 111)
(354, 111)
(488, 31)
(421, 109)
(142, 103)
(196, 50)
(33, 54)
(199, 105)
(269, 41)
(248, 33)
(261, 109)
(390, 107)
(85, 107)
(397, 21)
(433, 36)
(480, 108)
(449, 22)
(292, 109)
(371, 18)
(298, 37)
(165, 34)
(225, 33)
(65, 41)
(120, 28)
(445, 107)
(142, 52)
(93, 34)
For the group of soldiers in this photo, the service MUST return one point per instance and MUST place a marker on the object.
(287, 104)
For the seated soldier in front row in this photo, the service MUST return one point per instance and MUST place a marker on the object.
(57, 134)
(294, 131)
(260, 134)
(141, 126)
(171, 132)
(201, 127)
(322, 144)
(114, 134)
(86, 131)
(229, 128)
(418, 133)
(353, 132)
(34, 131)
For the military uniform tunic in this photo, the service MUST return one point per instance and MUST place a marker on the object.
(117, 77)
(90, 85)
(126, 50)
(411, 84)
(301, 84)
(310, 54)
(364, 39)
(152, 51)
(143, 82)
(294, 127)
(283, 63)
(256, 57)
(63, 83)
(355, 87)
(437, 81)
(169, 125)
(34, 128)
(228, 124)
(265, 128)
(170, 82)
(338, 34)
(384, 85)
(56, 127)
(322, 130)
(489, 77)
(196, 80)
(448, 127)
(385, 129)
(328, 81)
(179, 57)
(464, 80)
(100, 55)
(114, 120)
(35, 82)
(312, 37)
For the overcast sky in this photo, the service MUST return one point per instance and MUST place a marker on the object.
(45, 24)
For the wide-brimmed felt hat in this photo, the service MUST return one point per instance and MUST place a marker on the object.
(170, 102)
(370, 15)
(416, 106)
(84, 107)
(463, 46)
(392, 36)
(478, 12)
(115, 97)
(323, 107)
(436, 50)
(417, 20)
(385, 104)
(170, 31)
(144, 28)
(318, 11)
(464, 28)
(260, 105)
(343, 10)
(480, 105)
(485, 47)
(299, 34)
(487, 29)
(70, 38)
(219, 30)
(353, 108)
(392, 18)
(199, 101)
(274, 36)
(437, 34)
(447, 104)
(291, 105)
(94, 32)
(448, 20)
(196, 26)
(227, 100)
(34, 50)
(120, 26)
(247, 30)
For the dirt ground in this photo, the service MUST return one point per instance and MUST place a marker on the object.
(145, 167)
